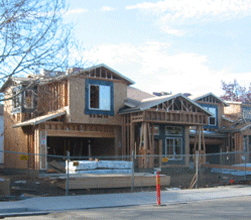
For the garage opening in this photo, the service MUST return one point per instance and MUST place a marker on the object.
(78, 146)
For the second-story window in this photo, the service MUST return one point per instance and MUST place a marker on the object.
(100, 97)
(212, 119)
(28, 99)
(17, 99)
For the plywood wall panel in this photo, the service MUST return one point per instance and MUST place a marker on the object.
(234, 110)
(77, 103)
(14, 140)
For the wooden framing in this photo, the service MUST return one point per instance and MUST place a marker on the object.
(65, 92)
(132, 130)
(77, 130)
(52, 96)
(209, 99)
(177, 111)
(172, 117)
(199, 144)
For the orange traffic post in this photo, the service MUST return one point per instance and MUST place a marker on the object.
(158, 188)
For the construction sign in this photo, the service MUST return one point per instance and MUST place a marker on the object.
(165, 160)
(24, 157)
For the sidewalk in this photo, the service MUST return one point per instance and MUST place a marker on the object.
(63, 203)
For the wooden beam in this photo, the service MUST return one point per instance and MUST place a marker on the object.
(145, 137)
(132, 135)
(141, 136)
(75, 133)
(152, 133)
(124, 137)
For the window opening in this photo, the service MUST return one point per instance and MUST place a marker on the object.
(173, 148)
(155, 130)
(100, 97)
(28, 99)
(94, 96)
(16, 99)
(211, 119)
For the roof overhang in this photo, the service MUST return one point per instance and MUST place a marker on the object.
(227, 119)
(5, 85)
(196, 98)
(41, 119)
(129, 81)
(150, 102)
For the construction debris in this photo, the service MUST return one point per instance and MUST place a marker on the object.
(60, 167)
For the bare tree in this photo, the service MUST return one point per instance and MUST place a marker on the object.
(233, 91)
(32, 36)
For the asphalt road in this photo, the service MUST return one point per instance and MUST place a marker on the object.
(228, 208)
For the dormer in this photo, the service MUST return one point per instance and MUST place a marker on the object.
(214, 105)
(96, 94)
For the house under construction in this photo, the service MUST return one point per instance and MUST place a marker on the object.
(96, 112)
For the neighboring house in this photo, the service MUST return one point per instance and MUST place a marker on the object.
(215, 141)
(160, 126)
(239, 130)
(1, 136)
(229, 127)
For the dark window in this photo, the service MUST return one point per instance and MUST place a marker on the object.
(155, 130)
(17, 99)
(212, 121)
(173, 130)
(28, 99)
(94, 96)
(173, 148)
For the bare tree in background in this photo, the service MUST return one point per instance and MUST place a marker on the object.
(233, 91)
(32, 36)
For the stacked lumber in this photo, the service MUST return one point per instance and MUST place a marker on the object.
(57, 167)
(102, 181)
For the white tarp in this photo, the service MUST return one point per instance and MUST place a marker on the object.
(115, 164)
(82, 165)
(101, 171)
(102, 166)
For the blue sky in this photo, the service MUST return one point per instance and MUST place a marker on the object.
(170, 45)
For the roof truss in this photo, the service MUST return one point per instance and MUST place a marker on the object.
(178, 104)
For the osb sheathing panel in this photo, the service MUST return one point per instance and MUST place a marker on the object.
(8, 103)
(233, 109)
(77, 103)
(14, 140)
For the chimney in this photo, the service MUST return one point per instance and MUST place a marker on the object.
(74, 70)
